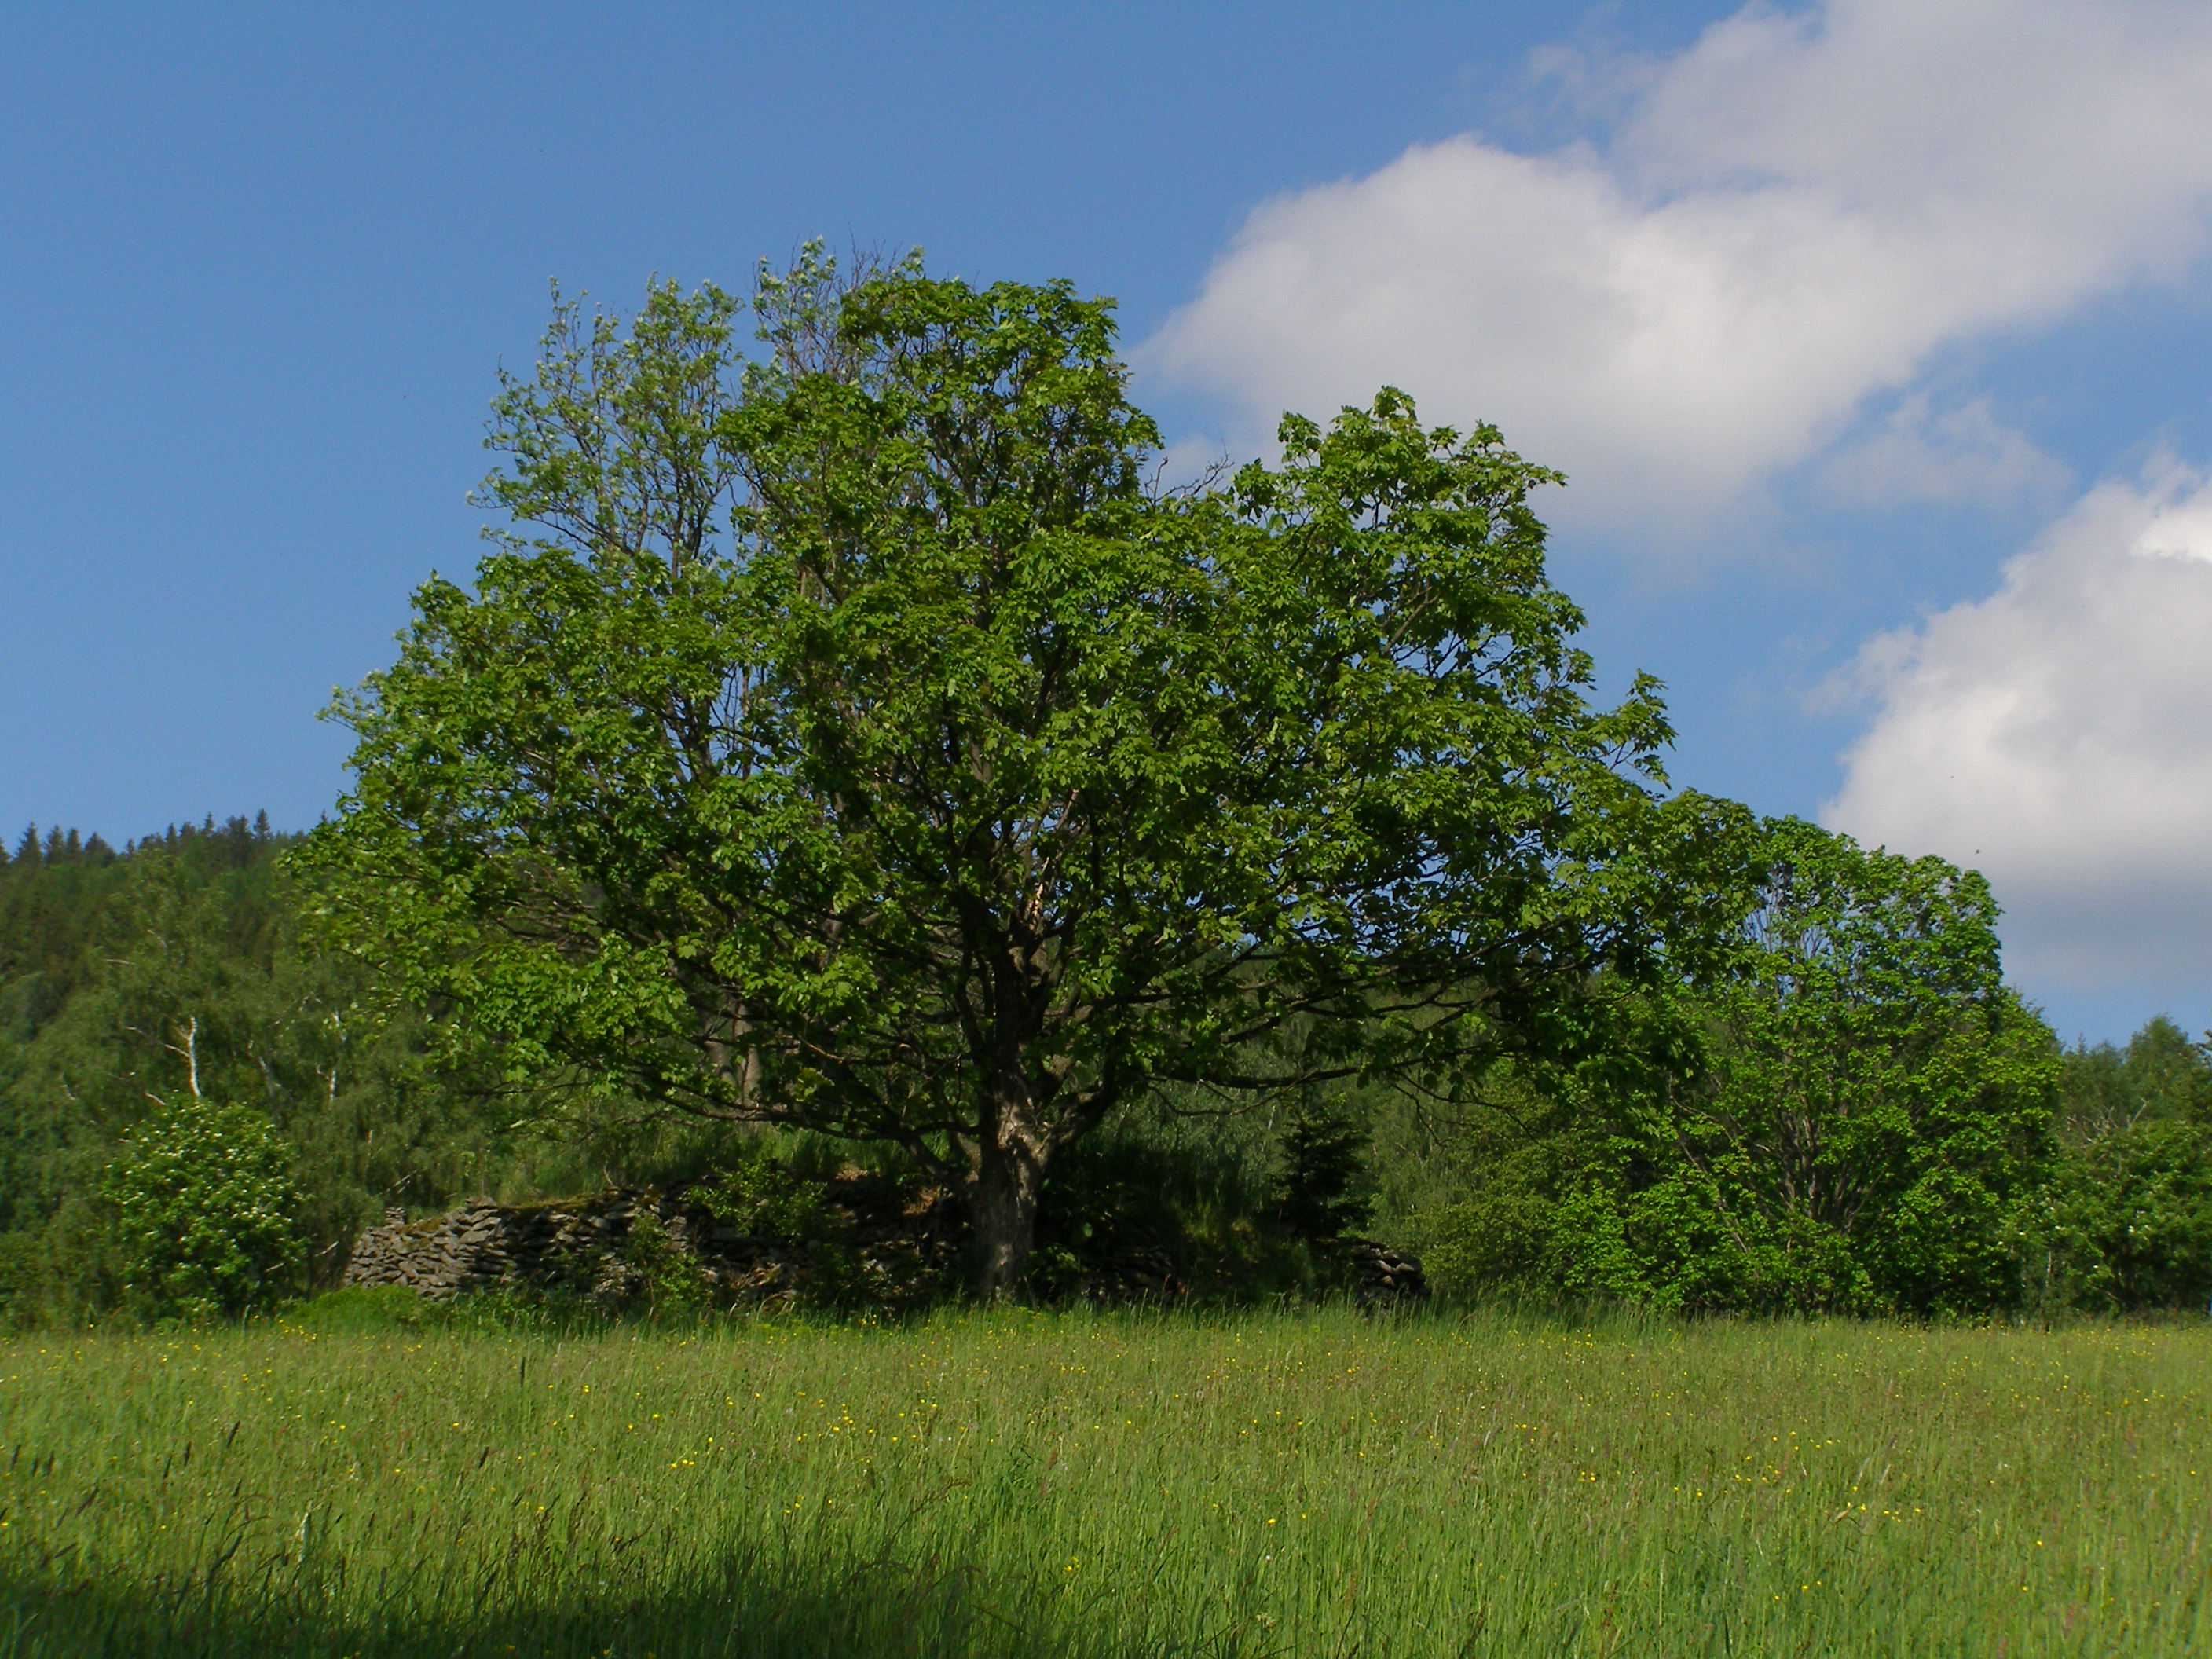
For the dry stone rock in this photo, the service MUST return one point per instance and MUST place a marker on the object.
(878, 1244)
(874, 1246)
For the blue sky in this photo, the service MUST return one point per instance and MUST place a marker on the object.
(1874, 336)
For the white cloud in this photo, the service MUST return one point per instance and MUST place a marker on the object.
(2057, 735)
(1791, 216)
(1919, 453)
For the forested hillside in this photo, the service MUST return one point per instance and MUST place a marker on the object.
(174, 976)
(170, 976)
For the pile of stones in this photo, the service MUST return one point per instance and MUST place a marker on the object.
(1383, 1277)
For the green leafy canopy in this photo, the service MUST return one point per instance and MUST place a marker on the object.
(859, 739)
(1865, 1129)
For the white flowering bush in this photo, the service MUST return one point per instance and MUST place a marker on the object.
(208, 1212)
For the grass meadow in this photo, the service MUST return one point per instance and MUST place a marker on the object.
(1023, 1484)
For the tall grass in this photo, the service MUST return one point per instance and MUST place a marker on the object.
(1028, 1485)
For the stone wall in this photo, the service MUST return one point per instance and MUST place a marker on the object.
(579, 1243)
(873, 1245)
(610, 1246)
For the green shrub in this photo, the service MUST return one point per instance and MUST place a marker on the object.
(2128, 1220)
(207, 1213)
(360, 1310)
(662, 1277)
(759, 1195)
(26, 1274)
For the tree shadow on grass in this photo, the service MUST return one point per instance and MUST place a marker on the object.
(880, 1611)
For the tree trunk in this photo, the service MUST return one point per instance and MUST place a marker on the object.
(1008, 1179)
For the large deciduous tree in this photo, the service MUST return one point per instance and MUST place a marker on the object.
(1866, 1129)
(854, 737)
